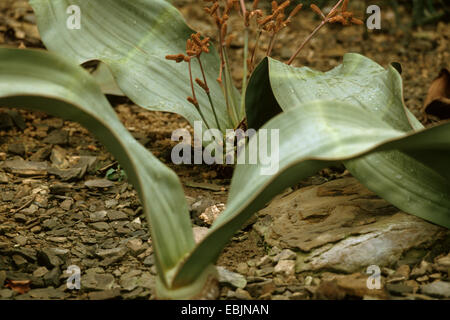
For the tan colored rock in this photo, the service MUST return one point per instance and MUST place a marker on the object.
(344, 286)
(341, 225)
(26, 168)
(421, 269)
(212, 213)
(285, 268)
(259, 289)
(403, 271)
(199, 233)
(444, 261)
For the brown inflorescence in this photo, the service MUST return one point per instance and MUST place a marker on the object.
(272, 23)
(346, 17)
(221, 16)
(195, 46)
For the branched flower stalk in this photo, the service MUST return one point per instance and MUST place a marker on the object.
(195, 46)
(345, 18)
(272, 24)
(246, 16)
(224, 79)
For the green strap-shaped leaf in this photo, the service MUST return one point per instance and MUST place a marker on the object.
(260, 103)
(41, 81)
(358, 80)
(396, 176)
(312, 136)
(132, 38)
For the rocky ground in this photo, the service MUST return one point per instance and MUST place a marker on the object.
(63, 201)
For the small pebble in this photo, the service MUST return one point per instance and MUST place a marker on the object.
(308, 280)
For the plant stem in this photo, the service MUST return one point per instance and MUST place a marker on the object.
(229, 89)
(245, 74)
(192, 82)
(223, 64)
(272, 42)
(194, 96)
(305, 42)
(244, 10)
(221, 72)
(208, 93)
(256, 47)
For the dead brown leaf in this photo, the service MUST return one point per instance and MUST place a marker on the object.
(437, 102)
(19, 286)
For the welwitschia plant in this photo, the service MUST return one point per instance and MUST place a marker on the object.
(313, 135)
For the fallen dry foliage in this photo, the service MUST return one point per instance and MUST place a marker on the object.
(19, 286)
(437, 102)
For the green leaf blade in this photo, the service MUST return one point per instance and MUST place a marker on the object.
(358, 80)
(40, 81)
(133, 38)
(403, 179)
